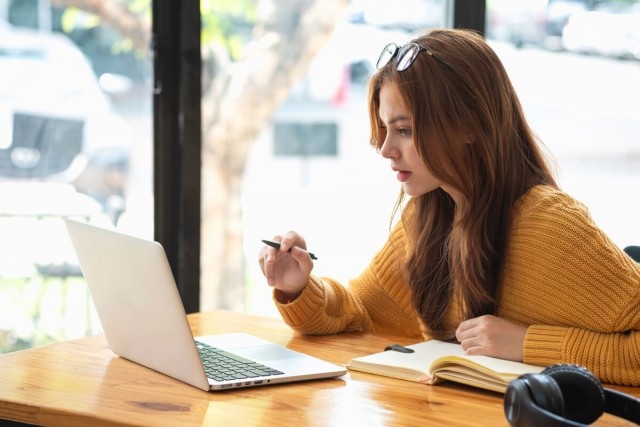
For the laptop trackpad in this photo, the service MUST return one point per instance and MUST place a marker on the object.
(266, 353)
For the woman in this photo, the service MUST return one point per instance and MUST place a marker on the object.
(488, 251)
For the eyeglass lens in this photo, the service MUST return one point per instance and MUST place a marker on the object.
(387, 53)
(407, 55)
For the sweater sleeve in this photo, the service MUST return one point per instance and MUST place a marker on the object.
(575, 289)
(379, 300)
(325, 306)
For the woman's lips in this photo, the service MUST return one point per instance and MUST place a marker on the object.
(403, 176)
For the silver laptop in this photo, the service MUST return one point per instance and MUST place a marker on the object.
(143, 319)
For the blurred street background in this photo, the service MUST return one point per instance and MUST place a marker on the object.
(87, 91)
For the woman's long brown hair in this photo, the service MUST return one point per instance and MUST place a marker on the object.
(471, 133)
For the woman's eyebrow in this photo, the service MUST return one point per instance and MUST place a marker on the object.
(398, 119)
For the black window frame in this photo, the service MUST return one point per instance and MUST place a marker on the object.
(177, 141)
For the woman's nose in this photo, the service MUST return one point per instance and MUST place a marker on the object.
(387, 150)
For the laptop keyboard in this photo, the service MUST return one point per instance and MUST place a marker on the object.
(224, 366)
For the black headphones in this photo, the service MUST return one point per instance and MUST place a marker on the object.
(564, 395)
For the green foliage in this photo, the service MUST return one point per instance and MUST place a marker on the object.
(227, 23)
(73, 18)
(140, 6)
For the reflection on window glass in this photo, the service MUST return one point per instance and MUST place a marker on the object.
(75, 141)
(575, 65)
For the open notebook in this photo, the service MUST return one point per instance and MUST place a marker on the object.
(433, 361)
(143, 319)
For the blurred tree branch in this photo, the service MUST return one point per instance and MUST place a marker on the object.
(117, 15)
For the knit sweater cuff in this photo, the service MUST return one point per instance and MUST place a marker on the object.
(543, 345)
(297, 312)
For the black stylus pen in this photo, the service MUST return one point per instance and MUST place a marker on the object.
(277, 246)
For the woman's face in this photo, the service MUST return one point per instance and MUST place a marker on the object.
(399, 146)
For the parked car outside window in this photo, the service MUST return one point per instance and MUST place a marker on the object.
(56, 122)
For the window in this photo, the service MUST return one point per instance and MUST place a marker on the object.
(574, 64)
(580, 102)
(75, 141)
(284, 136)
(294, 147)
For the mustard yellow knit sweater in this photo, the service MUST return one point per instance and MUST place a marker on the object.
(577, 292)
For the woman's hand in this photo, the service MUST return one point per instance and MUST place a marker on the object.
(287, 271)
(491, 336)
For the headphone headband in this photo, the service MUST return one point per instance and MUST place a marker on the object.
(622, 405)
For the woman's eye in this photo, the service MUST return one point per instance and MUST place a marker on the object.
(404, 131)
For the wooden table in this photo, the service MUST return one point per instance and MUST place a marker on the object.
(81, 382)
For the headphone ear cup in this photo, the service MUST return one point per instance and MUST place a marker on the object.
(583, 394)
(546, 394)
(531, 398)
